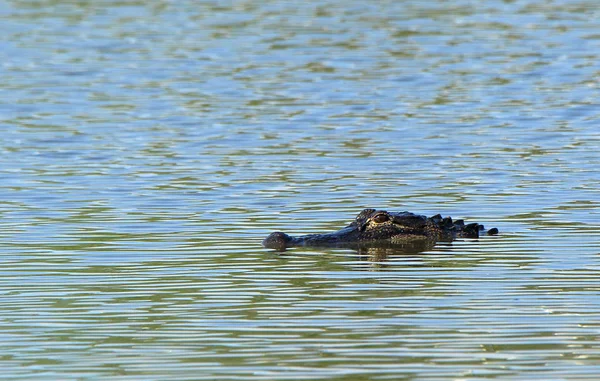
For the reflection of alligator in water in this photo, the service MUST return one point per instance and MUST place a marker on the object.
(376, 228)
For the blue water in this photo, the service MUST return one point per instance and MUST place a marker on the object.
(148, 148)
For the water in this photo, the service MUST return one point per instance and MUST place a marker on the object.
(148, 148)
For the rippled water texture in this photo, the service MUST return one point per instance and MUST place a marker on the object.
(148, 148)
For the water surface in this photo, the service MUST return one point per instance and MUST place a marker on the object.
(148, 148)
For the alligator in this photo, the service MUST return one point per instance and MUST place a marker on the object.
(373, 227)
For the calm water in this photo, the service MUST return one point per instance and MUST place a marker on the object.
(148, 148)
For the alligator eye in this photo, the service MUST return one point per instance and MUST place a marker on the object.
(380, 218)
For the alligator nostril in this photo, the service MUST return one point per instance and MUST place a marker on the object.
(277, 241)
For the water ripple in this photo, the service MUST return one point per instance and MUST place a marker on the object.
(148, 148)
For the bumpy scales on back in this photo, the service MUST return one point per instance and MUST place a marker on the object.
(373, 226)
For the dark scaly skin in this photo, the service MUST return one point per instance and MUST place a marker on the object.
(373, 227)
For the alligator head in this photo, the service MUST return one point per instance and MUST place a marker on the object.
(372, 227)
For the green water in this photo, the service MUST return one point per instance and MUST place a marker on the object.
(148, 147)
